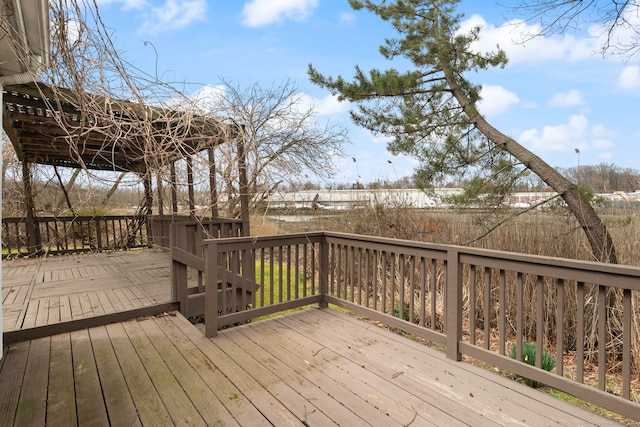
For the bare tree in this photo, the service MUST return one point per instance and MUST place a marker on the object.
(284, 139)
(614, 23)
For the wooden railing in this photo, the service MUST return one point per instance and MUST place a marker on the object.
(76, 234)
(73, 234)
(473, 302)
(188, 267)
(160, 226)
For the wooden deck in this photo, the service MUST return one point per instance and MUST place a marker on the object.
(44, 291)
(314, 367)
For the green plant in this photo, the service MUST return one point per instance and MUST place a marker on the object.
(529, 357)
(405, 314)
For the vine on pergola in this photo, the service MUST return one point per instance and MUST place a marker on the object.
(105, 104)
(93, 110)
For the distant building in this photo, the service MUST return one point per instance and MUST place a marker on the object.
(341, 200)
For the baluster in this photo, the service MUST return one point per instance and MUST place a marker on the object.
(580, 333)
(560, 327)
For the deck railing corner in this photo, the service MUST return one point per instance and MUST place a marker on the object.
(472, 302)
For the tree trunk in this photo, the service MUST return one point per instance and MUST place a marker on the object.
(599, 238)
(67, 188)
(64, 191)
(113, 188)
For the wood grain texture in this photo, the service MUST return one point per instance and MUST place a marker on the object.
(44, 291)
(310, 367)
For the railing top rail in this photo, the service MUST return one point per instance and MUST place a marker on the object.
(72, 218)
(234, 243)
(588, 271)
(477, 255)
(88, 217)
(208, 221)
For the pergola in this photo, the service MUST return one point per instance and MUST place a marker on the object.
(50, 126)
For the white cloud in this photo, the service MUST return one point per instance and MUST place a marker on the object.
(257, 13)
(174, 14)
(346, 18)
(496, 100)
(208, 98)
(329, 106)
(601, 144)
(509, 37)
(522, 42)
(629, 77)
(576, 133)
(571, 98)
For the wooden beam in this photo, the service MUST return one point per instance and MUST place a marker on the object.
(33, 230)
(148, 193)
(174, 188)
(160, 195)
(212, 182)
(244, 187)
(37, 102)
(148, 204)
(192, 202)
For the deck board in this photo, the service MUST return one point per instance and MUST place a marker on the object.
(11, 379)
(424, 376)
(314, 385)
(390, 382)
(87, 381)
(61, 398)
(169, 390)
(117, 399)
(275, 380)
(311, 367)
(202, 397)
(390, 350)
(33, 397)
(194, 348)
(148, 403)
(49, 290)
(383, 395)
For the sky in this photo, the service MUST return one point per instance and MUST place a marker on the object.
(557, 97)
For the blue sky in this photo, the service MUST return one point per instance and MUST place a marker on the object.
(554, 97)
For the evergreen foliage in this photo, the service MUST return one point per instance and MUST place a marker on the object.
(417, 107)
(430, 111)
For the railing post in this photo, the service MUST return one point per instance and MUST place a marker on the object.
(249, 273)
(211, 288)
(323, 270)
(178, 271)
(453, 319)
(96, 220)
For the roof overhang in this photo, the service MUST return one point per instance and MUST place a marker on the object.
(24, 45)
